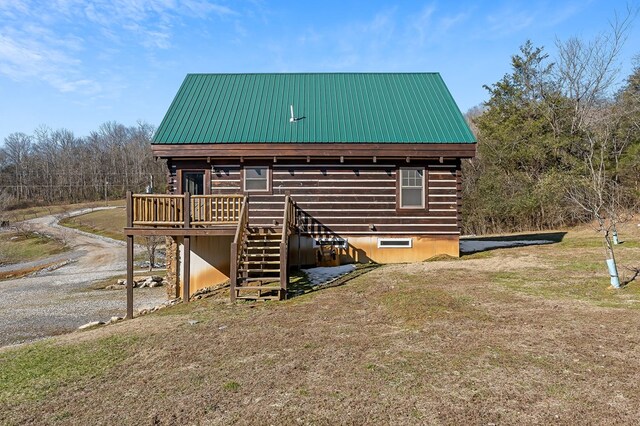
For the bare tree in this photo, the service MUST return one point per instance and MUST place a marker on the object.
(599, 193)
(586, 70)
(17, 147)
(151, 243)
(5, 202)
(56, 166)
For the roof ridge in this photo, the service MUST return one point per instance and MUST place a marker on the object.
(317, 73)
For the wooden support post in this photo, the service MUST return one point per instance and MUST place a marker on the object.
(129, 257)
(299, 265)
(129, 277)
(187, 210)
(129, 209)
(233, 273)
(186, 268)
(284, 269)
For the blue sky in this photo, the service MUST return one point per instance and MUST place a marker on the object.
(78, 63)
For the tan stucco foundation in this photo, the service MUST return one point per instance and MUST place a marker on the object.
(210, 256)
(363, 249)
(210, 261)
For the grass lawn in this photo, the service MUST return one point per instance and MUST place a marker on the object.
(15, 248)
(108, 223)
(529, 335)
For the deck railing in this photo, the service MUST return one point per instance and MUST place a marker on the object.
(154, 210)
(236, 246)
(289, 223)
(215, 209)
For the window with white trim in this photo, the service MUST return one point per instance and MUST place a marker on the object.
(412, 187)
(395, 242)
(256, 178)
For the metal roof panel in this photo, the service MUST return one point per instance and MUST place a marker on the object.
(330, 107)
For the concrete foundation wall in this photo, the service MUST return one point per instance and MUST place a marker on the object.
(363, 249)
(210, 261)
(210, 256)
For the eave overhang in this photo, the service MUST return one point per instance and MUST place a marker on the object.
(297, 150)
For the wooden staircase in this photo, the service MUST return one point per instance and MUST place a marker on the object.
(259, 271)
(259, 257)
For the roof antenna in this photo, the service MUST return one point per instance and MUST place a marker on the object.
(293, 117)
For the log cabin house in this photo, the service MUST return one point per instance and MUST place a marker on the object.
(269, 171)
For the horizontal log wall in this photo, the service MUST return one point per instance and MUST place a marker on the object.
(350, 198)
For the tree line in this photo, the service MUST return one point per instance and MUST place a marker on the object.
(53, 166)
(558, 144)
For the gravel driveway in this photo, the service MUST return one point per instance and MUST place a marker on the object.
(59, 301)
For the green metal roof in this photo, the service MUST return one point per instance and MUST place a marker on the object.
(329, 107)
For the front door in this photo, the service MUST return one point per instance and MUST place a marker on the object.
(193, 183)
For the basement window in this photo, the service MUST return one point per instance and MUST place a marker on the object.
(395, 242)
(333, 242)
(256, 178)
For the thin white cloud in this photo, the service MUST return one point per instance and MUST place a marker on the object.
(510, 21)
(428, 26)
(565, 12)
(24, 61)
(422, 23)
(46, 41)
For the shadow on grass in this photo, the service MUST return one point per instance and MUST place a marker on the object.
(482, 244)
(299, 283)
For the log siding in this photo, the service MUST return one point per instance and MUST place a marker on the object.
(350, 198)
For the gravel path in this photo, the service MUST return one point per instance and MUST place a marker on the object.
(59, 301)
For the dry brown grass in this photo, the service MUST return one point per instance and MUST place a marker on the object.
(23, 272)
(108, 223)
(19, 247)
(39, 211)
(529, 335)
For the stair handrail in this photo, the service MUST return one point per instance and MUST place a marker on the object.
(241, 230)
(289, 221)
(243, 219)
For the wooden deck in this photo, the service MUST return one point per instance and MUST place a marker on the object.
(178, 215)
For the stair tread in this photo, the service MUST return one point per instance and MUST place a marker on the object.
(261, 262)
(258, 287)
(258, 270)
(262, 243)
(269, 279)
(258, 298)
